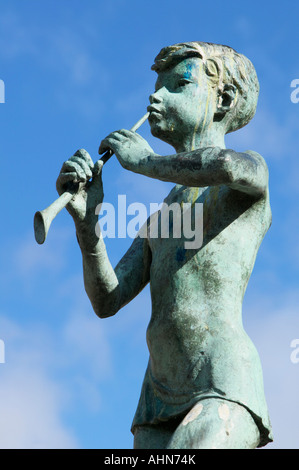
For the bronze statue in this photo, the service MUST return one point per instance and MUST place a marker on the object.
(203, 387)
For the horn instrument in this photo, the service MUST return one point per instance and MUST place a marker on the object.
(44, 218)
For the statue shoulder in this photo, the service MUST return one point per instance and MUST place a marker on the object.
(259, 160)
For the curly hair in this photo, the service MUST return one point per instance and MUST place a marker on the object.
(223, 65)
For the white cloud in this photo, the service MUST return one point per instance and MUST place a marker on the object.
(86, 340)
(27, 262)
(31, 403)
(30, 408)
(30, 258)
(48, 375)
(274, 323)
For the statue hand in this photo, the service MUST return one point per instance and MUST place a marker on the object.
(76, 174)
(129, 147)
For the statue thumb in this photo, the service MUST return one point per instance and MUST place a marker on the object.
(97, 171)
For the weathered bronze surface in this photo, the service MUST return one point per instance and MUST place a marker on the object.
(203, 387)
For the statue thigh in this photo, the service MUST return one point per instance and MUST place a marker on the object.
(211, 424)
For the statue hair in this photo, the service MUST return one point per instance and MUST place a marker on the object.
(223, 66)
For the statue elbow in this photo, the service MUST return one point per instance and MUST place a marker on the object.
(104, 309)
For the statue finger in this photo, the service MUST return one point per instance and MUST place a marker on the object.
(73, 167)
(87, 166)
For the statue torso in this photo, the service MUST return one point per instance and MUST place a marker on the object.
(195, 337)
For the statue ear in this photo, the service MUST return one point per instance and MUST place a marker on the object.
(226, 99)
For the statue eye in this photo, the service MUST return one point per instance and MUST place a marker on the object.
(183, 82)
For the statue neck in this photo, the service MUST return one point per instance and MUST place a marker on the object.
(209, 138)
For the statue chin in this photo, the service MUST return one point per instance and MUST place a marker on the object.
(159, 130)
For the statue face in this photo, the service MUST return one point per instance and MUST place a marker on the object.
(183, 103)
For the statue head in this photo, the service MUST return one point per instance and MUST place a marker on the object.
(227, 88)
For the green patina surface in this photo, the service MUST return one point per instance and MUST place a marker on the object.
(203, 386)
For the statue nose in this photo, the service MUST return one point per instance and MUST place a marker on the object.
(155, 98)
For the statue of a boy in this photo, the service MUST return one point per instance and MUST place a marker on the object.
(203, 387)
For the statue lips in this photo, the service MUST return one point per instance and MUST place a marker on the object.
(154, 112)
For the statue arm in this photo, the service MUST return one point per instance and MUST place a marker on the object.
(108, 289)
(111, 289)
(211, 166)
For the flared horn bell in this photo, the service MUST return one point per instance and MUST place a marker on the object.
(43, 219)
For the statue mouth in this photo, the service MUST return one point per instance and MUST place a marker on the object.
(154, 116)
(154, 112)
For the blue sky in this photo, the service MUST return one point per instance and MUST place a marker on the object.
(74, 71)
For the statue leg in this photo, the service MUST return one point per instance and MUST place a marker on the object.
(154, 436)
(216, 424)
